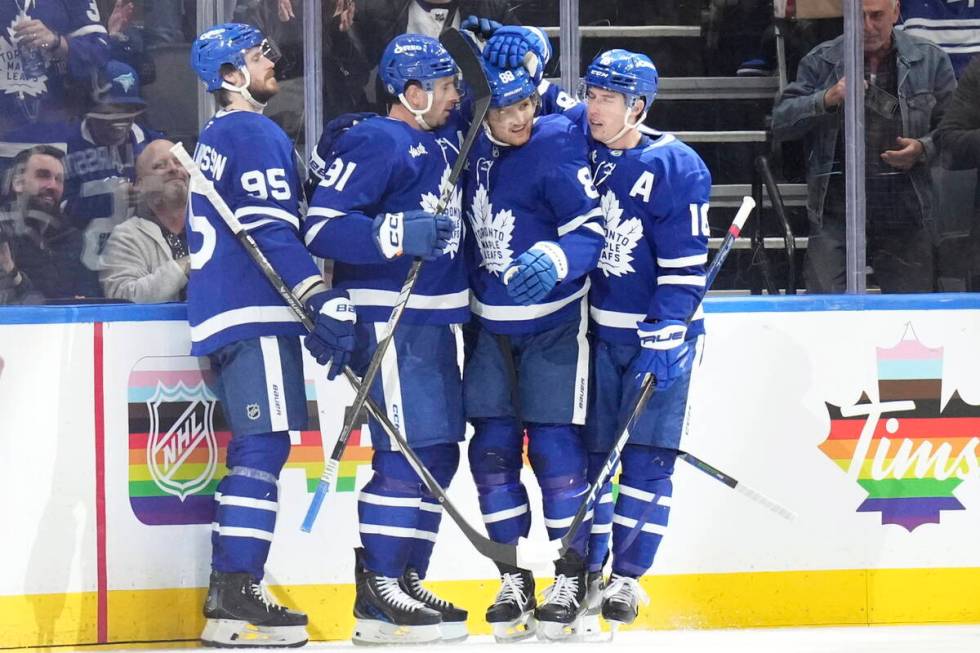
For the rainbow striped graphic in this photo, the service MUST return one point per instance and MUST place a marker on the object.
(908, 450)
(178, 439)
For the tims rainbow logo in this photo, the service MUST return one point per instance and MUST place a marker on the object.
(908, 450)
(178, 440)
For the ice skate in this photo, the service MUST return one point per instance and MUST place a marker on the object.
(240, 613)
(620, 601)
(512, 612)
(385, 614)
(590, 630)
(453, 625)
(559, 616)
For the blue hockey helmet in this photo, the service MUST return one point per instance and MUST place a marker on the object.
(508, 85)
(413, 57)
(622, 71)
(226, 44)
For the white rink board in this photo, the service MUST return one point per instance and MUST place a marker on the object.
(760, 416)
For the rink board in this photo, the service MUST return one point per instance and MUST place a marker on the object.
(111, 446)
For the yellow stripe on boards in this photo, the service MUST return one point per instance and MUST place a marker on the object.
(734, 600)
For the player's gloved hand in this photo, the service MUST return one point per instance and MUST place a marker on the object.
(534, 274)
(332, 339)
(512, 46)
(412, 233)
(664, 351)
(483, 28)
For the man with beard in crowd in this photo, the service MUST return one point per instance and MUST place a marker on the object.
(39, 246)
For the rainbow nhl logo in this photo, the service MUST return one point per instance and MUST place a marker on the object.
(908, 450)
(188, 439)
(178, 439)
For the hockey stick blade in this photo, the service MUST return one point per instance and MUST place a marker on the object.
(649, 384)
(466, 59)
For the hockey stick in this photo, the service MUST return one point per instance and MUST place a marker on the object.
(736, 485)
(472, 71)
(525, 553)
(648, 386)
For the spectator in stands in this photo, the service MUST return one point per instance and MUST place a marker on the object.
(145, 259)
(127, 40)
(379, 21)
(345, 67)
(100, 160)
(45, 44)
(43, 248)
(909, 83)
(959, 133)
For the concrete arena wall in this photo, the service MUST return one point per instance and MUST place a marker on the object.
(859, 413)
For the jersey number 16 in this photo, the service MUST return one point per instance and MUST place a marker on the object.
(699, 220)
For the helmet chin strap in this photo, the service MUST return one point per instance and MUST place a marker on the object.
(243, 90)
(416, 112)
(491, 137)
(627, 125)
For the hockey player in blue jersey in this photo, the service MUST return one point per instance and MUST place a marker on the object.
(649, 283)
(241, 323)
(372, 211)
(535, 231)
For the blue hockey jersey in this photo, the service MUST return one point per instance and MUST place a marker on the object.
(97, 177)
(383, 165)
(26, 98)
(953, 25)
(655, 203)
(250, 161)
(517, 196)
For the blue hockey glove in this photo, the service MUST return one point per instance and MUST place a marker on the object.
(663, 353)
(483, 28)
(534, 274)
(332, 339)
(514, 46)
(413, 233)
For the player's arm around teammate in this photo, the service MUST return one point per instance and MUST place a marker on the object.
(373, 209)
(645, 303)
(536, 232)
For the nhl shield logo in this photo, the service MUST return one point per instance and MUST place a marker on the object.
(172, 443)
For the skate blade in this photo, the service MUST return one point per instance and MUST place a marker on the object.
(589, 629)
(453, 631)
(553, 631)
(515, 631)
(370, 632)
(231, 633)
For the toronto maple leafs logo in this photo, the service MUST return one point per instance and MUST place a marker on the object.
(621, 238)
(14, 79)
(909, 449)
(430, 202)
(493, 232)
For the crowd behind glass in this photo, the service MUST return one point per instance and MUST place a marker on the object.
(96, 91)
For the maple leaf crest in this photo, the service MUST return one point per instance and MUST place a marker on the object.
(14, 81)
(621, 238)
(430, 202)
(909, 450)
(493, 232)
